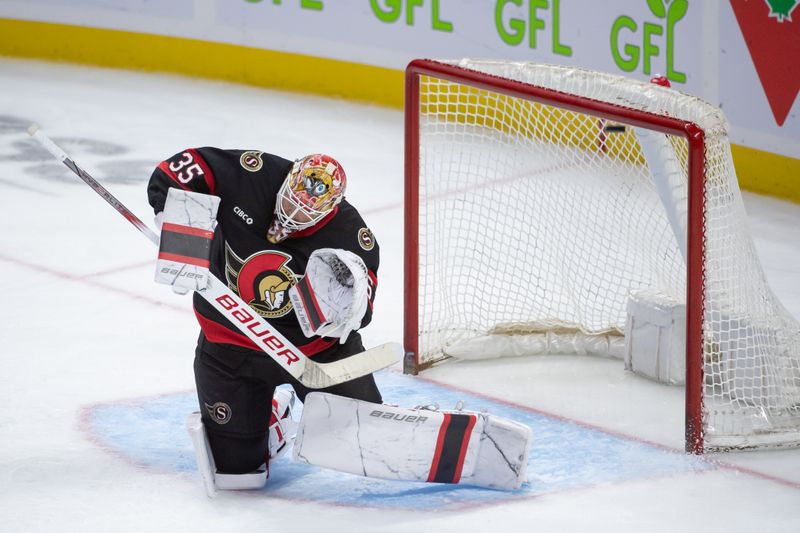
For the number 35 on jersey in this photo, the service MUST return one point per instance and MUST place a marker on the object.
(186, 168)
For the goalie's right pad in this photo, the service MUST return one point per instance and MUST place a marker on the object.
(332, 297)
(187, 229)
(388, 442)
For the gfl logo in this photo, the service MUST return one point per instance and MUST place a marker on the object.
(625, 38)
(244, 216)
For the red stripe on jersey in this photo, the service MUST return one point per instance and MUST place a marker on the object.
(219, 334)
(463, 453)
(317, 345)
(164, 167)
(211, 181)
(437, 454)
(373, 278)
(187, 230)
(316, 227)
(184, 259)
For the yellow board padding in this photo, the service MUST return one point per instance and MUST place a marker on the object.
(523, 119)
(757, 170)
(252, 66)
(767, 173)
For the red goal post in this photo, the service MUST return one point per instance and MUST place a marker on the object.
(437, 93)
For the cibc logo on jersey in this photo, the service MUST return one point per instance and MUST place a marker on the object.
(244, 216)
(262, 280)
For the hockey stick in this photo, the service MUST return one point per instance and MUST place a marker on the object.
(310, 373)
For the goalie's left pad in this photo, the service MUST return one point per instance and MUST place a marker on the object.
(281, 435)
(332, 297)
(187, 229)
(387, 442)
(213, 480)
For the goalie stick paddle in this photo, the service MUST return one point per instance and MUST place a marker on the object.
(310, 373)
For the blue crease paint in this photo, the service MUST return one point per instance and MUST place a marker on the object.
(151, 433)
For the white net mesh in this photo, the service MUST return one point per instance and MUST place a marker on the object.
(538, 217)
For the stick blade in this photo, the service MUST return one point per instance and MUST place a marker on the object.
(32, 129)
(322, 375)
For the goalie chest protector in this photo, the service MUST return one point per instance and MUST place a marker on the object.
(240, 254)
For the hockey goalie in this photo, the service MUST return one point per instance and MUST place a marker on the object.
(286, 241)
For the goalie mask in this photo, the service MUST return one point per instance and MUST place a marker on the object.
(311, 190)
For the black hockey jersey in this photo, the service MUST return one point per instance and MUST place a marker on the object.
(260, 272)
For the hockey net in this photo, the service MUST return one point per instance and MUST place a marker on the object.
(538, 198)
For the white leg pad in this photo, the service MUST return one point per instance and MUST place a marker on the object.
(212, 480)
(250, 481)
(387, 442)
(202, 452)
(503, 454)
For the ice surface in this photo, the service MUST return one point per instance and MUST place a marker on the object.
(97, 358)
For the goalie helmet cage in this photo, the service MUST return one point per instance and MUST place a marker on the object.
(539, 197)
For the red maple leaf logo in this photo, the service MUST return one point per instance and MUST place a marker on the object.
(774, 46)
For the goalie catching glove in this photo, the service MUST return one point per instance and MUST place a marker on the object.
(332, 297)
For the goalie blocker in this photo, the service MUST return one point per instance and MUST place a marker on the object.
(187, 229)
(387, 442)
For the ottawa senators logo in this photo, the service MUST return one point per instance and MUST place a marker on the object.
(220, 412)
(262, 280)
(251, 161)
(365, 239)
